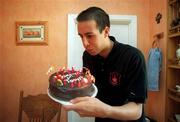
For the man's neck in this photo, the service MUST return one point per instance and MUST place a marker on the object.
(105, 52)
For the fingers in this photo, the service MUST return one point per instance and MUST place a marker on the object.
(69, 107)
(79, 99)
(76, 106)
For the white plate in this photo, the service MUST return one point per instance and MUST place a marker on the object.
(67, 102)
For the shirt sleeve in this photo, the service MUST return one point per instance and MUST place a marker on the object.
(137, 78)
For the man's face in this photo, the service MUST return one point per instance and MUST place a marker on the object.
(92, 39)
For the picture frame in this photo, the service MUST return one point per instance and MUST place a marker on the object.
(31, 33)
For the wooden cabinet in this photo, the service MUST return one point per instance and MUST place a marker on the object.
(173, 69)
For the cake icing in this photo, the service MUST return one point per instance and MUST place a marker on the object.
(67, 84)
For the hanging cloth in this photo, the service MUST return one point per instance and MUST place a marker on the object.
(154, 64)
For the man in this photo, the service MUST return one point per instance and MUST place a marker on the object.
(119, 70)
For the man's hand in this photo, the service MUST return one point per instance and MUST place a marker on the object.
(93, 107)
(88, 107)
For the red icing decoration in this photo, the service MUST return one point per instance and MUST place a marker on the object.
(74, 82)
(79, 84)
(71, 84)
(77, 74)
(54, 79)
(58, 76)
(64, 82)
(73, 78)
(68, 71)
(73, 70)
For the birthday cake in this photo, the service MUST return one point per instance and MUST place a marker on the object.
(67, 84)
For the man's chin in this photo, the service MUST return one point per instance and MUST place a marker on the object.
(92, 53)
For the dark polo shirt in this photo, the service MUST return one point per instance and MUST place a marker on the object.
(120, 78)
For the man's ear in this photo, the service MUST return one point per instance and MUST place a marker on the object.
(106, 31)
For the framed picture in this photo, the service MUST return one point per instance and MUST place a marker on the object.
(32, 33)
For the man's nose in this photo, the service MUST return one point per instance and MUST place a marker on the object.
(85, 42)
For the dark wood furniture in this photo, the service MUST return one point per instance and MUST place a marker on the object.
(38, 108)
(173, 69)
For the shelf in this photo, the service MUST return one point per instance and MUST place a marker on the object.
(174, 31)
(173, 66)
(174, 98)
(174, 35)
(173, 28)
(173, 69)
(174, 95)
(171, 2)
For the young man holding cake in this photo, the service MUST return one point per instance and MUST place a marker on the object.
(119, 70)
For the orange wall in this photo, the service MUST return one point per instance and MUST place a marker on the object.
(24, 67)
(1, 59)
(156, 100)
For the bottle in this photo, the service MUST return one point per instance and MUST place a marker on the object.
(178, 54)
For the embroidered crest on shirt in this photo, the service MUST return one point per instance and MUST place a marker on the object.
(115, 78)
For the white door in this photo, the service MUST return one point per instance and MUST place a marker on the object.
(123, 28)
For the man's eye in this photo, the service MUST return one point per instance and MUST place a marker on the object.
(89, 36)
(80, 36)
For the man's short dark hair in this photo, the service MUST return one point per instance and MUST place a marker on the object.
(95, 13)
